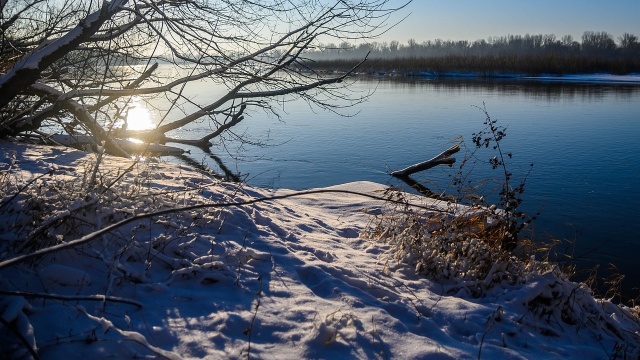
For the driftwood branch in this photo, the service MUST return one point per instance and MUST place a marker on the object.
(444, 158)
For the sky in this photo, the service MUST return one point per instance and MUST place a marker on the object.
(472, 19)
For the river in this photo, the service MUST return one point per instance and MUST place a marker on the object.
(583, 140)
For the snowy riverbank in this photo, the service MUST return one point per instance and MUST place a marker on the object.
(629, 79)
(286, 278)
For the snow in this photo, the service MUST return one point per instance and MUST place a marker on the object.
(603, 78)
(288, 278)
(590, 78)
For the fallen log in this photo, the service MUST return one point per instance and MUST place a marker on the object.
(126, 145)
(444, 158)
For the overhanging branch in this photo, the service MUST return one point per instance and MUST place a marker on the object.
(29, 69)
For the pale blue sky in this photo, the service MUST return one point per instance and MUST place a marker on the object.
(472, 20)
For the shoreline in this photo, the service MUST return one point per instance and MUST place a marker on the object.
(596, 78)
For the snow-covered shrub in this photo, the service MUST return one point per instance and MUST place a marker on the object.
(451, 242)
(43, 205)
(459, 236)
(47, 204)
(553, 303)
(459, 247)
(58, 205)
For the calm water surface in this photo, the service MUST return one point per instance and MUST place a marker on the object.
(583, 139)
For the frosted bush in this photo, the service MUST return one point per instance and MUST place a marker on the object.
(460, 244)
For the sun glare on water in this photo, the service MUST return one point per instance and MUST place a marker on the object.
(139, 117)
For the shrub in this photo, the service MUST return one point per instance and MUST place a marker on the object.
(464, 239)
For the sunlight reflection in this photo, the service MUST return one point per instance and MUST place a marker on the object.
(139, 117)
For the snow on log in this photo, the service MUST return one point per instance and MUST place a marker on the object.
(126, 145)
(444, 158)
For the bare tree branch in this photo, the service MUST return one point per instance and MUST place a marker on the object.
(28, 70)
(77, 65)
(85, 118)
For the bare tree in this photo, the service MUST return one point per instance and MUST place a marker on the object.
(629, 41)
(78, 64)
(595, 41)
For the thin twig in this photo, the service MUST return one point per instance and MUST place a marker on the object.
(72, 298)
(492, 321)
(249, 330)
(24, 187)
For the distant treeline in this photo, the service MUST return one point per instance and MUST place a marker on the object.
(528, 54)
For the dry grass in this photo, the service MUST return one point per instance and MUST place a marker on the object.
(460, 245)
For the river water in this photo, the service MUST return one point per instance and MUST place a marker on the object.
(582, 139)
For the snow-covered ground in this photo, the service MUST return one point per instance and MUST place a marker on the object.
(590, 78)
(630, 79)
(291, 278)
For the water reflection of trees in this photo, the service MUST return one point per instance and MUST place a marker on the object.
(552, 90)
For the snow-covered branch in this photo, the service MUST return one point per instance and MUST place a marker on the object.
(29, 69)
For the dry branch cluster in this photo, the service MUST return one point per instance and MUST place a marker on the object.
(65, 203)
(458, 243)
(77, 66)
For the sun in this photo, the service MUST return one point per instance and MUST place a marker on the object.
(139, 117)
